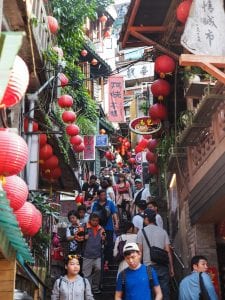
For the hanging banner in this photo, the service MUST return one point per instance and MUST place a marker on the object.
(204, 30)
(145, 125)
(116, 99)
(89, 150)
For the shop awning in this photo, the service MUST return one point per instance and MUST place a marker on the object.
(11, 237)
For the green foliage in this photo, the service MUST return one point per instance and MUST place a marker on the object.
(86, 125)
(40, 244)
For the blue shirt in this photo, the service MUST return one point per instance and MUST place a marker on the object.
(137, 285)
(190, 288)
(110, 206)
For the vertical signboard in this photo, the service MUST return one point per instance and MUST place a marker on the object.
(89, 150)
(116, 99)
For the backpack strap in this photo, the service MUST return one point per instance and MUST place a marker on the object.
(85, 284)
(203, 291)
(147, 240)
(151, 285)
(123, 275)
(60, 282)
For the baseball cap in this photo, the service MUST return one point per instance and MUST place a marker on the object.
(138, 180)
(150, 214)
(130, 247)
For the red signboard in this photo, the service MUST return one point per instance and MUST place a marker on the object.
(89, 150)
(145, 125)
(116, 99)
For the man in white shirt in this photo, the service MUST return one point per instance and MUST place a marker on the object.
(138, 219)
(142, 193)
(158, 219)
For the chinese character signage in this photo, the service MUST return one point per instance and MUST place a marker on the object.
(116, 94)
(101, 140)
(89, 150)
(204, 30)
(141, 70)
(145, 125)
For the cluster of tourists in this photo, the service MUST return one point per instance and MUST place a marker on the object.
(119, 223)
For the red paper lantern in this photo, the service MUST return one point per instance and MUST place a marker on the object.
(13, 153)
(16, 191)
(79, 199)
(150, 156)
(94, 62)
(107, 34)
(160, 88)
(164, 65)
(45, 152)
(52, 162)
(56, 173)
(131, 160)
(63, 79)
(120, 139)
(147, 136)
(103, 19)
(143, 144)
(17, 84)
(152, 144)
(68, 116)
(79, 148)
(84, 52)
(29, 219)
(138, 149)
(127, 145)
(158, 111)
(72, 129)
(65, 101)
(152, 168)
(52, 24)
(42, 139)
(76, 140)
(183, 10)
(58, 50)
(34, 125)
(109, 155)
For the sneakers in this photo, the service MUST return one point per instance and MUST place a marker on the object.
(97, 291)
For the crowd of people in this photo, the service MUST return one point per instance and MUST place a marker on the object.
(120, 223)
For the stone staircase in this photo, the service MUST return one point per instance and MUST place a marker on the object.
(109, 284)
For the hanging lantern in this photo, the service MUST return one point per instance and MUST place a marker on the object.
(147, 136)
(160, 88)
(17, 84)
(68, 116)
(29, 219)
(131, 160)
(16, 191)
(120, 139)
(84, 53)
(52, 24)
(63, 79)
(13, 153)
(58, 50)
(138, 149)
(76, 140)
(79, 148)
(79, 199)
(52, 162)
(152, 168)
(72, 129)
(103, 19)
(56, 173)
(150, 156)
(164, 65)
(158, 111)
(65, 101)
(94, 62)
(143, 144)
(127, 145)
(152, 144)
(183, 10)
(107, 34)
(45, 152)
(34, 125)
(108, 155)
(42, 139)
(102, 131)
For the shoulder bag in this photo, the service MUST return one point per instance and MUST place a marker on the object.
(157, 255)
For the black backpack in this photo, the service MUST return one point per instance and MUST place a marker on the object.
(103, 214)
(120, 246)
(138, 197)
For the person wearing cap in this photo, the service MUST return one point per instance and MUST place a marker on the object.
(133, 283)
(138, 219)
(142, 193)
(157, 237)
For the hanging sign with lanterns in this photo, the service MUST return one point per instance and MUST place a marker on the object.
(145, 125)
(89, 147)
(138, 170)
(102, 140)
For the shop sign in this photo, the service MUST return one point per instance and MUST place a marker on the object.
(138, 170)
(138, 158)
(145, 125)
(116, 99)
(101, 140)
(89, 150)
